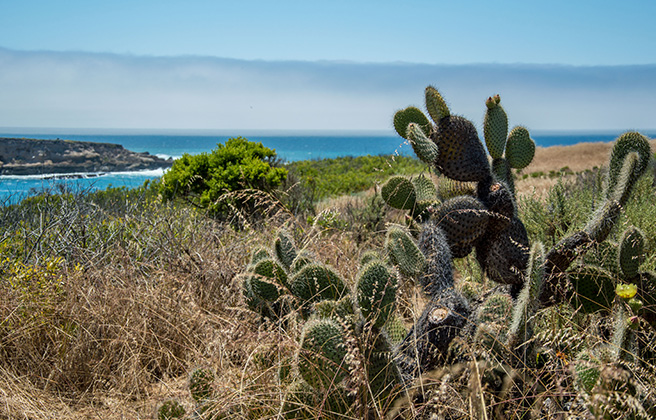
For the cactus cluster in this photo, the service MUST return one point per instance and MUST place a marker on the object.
(277, 282)
(354, 350)
(486, 221)
(345, 340)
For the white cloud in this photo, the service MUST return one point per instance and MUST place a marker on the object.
(67, 89)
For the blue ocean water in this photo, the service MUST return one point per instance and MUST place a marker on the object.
(289, 146)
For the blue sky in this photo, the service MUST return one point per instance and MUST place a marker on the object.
(324, 65)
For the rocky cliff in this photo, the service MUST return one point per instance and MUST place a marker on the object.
(35, 157)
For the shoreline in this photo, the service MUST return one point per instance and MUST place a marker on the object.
(28, 157)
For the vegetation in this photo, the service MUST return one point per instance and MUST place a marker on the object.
(122, 304)
(206, 180)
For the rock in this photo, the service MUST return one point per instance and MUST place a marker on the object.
(36, 157)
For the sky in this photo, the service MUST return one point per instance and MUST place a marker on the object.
(343, 65)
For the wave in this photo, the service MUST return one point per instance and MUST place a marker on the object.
(85, 175)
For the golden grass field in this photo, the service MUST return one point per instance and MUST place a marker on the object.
(577, 158)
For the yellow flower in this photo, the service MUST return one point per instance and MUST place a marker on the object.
(626, 291)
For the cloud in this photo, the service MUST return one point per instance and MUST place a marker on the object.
(86, 90)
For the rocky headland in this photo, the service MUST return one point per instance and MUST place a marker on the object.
(20, 156)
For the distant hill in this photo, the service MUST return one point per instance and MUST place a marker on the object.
(34, 157)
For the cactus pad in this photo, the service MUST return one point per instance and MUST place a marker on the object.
(520, 148)
(272, 271)
(625, 144)
(495, 128)
(461, 154)
(424, 147)
(593, 289)
(315, 282)
(463, 220)
(285, 248)
(376, 293)
(631, 252)
(404, 252)
(404, 117)
(435, 104)
(170, 410)
(399, 192)
(321, 357)
(505, 257)
(200, 384)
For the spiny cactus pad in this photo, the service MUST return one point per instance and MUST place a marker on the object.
(587, 370)
(411, 114)
(399, 192)
(435, 104)
(505, 258)
(262, 288)
(321, 356)
(496, 308)
(285, 248)
(200, 384)
(376, 293)
(625, 144)
(520, 148)
(631, 251)
(495, 128)
(463, 220)
(170, 410)
(423, 146)
(593, 289)
(271, 270)
(404, 252)
(315, 282)
(527, 301)
(461, 154)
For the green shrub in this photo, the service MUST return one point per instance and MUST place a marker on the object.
(237, 165)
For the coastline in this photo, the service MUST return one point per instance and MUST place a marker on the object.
(30, 157)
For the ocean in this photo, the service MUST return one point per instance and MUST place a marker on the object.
(290, 146)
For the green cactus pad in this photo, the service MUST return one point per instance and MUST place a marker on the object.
(435, 104)
(321, 356)
(271, 270)
(491, 337)
(463, 220)
(424, 147)
(495, 128)
(496, 308)
(201, 381)
(369, 256)
(300, 400)
(170, 410)
(263, 289)
(315, 282)
(399, 192)
(258, 254)
(376, 293)
(404, 252)
(624, 145)
(448, 188)
(424, 188)
(587, 369)
(593, 289)
(395, 329)
(302, 259)
(285, 249)
(383, 375)
(631, 252)
(461, 154)
(520, 148)
(335, 309)
(411, 114)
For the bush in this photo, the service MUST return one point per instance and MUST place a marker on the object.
(204, 180)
